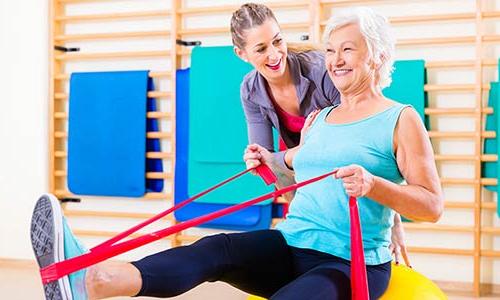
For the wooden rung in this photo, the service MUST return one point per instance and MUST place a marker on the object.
(220, 30)
(114, 16)
(460, 64)
(458, 181)
(111, 35)
(232, 8)
(453, 87)
(60, 173)
(426, 18)
(159, 155)
(491, 38)
(149, 175)
(469, 205)
(490, 253)
(160, 74)
(485, 157)
(488, 181)
(489, 205)
(432, 18)
(460, 134)
(62, 193)
(440, 251)
(149, 135)
(159, 94)
(60, 115)
(110, 214)
(447, 40)
(458, 204)
(457, 111)
(482, 181)
(60, 134)
(159, 175)
(157, 196)
(152, 94)
(437, 227)
(149, 115)
(159, 135)
(156, 155)
(152, 74)
(159, 115)
(60, 154)
(113, 55)
(491, 14)
(491, 230)
(149, 196)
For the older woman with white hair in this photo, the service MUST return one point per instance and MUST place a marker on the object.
(374, 142)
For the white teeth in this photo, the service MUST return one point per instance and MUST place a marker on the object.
(277, 63)
(341, 72)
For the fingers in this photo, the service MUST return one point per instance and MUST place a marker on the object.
(252, 156)
(310, 118)
(404, 253)
(346, 171)
(397, 254)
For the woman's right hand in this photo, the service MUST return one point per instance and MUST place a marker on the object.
(307, 124)
(255, 155)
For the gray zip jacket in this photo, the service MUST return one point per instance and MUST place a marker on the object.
(315, 90)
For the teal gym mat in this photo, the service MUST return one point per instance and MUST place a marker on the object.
(407, 85)
(217, 127)
(489, 169)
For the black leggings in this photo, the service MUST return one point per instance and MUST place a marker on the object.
(257, 262)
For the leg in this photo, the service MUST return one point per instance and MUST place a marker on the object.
(256, 262)
(331, 280)
(110, 279)
(317, 284)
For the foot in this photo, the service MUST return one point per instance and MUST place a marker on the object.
(52, 242)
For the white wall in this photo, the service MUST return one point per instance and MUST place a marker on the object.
(23, 119)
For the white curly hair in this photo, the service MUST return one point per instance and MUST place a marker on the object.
(378, 35)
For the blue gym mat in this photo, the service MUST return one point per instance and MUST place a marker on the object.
(250, 218)
(107, 134)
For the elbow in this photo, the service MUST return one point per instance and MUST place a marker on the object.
(437, 209)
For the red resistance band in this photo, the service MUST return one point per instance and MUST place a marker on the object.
(110, 248)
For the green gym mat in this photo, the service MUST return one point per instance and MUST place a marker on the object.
(489, 169)
(217, 127)
(407, 85)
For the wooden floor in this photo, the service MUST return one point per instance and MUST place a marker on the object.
(21, 281)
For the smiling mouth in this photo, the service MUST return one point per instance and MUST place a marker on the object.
(275, 66)
(341, 72)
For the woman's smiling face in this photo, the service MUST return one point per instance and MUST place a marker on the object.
(265, 49)
(348, 60)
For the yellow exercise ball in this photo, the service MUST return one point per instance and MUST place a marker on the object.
(407, 284)
(252, 297)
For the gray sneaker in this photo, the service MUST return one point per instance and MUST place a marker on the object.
(47, 240)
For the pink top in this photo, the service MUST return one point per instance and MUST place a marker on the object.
(291, 122)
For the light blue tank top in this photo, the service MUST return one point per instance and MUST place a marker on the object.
(319, 213)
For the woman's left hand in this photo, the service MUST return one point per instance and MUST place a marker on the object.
(357, 181)
(398, 246)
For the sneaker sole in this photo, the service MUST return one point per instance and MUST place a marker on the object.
(47, 240)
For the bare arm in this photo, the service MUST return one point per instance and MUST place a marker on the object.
(421, 199)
